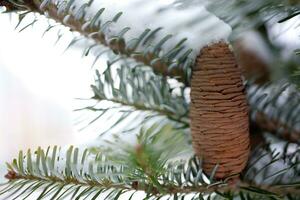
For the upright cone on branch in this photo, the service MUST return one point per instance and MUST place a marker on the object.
(219, 112)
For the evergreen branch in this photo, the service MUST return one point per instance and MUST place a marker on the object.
(136, 89)
(146, 167)
(175, 62)
(145, 92)
(277, 127)
(143, 107)
(274, 108)
(274, 165)
(140, 168)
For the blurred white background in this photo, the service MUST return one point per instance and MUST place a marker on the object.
(38, 84)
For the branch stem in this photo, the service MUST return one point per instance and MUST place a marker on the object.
(171, 115)
(274, 190)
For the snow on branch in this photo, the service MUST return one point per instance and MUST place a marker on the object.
(160, 35)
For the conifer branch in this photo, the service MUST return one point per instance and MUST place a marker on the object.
(144, 167)
(165, 63)
(137, 89)
(143, 107)
(176, 62)
(274, 108)
(278, 128)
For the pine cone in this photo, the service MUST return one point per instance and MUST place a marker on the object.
(219, 112)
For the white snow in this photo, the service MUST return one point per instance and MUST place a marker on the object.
(199, 26)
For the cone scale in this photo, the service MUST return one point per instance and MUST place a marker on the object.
(219, 112)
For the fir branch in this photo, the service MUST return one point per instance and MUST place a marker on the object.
(136, 89)
(274, 108)
(277, 127)
(104, 173)
(144, 167)
(274, 167)
(172, 63)
(169, 63)
(145, 92)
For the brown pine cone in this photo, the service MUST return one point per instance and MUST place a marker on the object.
(219, 112)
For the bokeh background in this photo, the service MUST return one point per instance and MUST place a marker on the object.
(38, 85)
